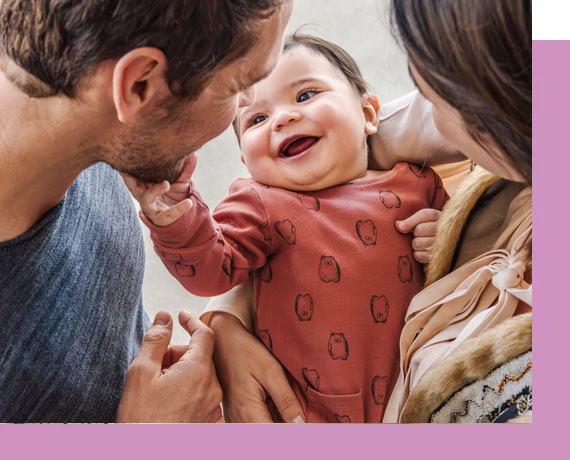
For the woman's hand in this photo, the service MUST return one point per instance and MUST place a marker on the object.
(423, 224)
(248, 373)
(172, 384)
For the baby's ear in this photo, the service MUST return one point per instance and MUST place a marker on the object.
(371, 109)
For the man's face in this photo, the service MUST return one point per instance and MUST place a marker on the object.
(154, 149)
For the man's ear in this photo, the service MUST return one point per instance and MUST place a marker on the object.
(371, 109)
(138, 78)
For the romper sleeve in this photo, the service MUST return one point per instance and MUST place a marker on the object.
(439, 195)
(210, 253)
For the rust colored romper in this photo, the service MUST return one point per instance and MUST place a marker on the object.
(333, 278)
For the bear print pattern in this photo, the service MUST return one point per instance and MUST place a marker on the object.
(265, 231)
(379, 307)
(312, 378)
(329, 270)
(304, 307)
(338, 346)
(286, 230)
(266, 273)
(379, 384)
(265, 337)
(404, 269)
(366, 231)
(389, 199)
(342, 418)
(311, 203)
(417, 170)
(184, 270)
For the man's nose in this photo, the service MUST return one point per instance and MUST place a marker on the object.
(284, 118)
(247, 96)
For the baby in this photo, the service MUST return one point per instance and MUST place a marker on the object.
(332, 276)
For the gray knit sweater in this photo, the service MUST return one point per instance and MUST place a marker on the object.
(71, 315)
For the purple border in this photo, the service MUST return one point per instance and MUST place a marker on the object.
(551, 124)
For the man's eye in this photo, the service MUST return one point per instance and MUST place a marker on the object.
(256, 119)
(306, 95)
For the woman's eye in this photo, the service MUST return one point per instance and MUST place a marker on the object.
(306, 95)
(256, 119)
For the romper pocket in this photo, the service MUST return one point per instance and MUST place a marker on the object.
(322, 408)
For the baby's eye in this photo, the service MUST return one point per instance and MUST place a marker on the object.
(256, 119)
(305, 95)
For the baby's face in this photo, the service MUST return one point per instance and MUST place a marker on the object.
(306, 126)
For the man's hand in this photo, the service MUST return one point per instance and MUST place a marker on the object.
(163, 203)
(248, 373)
(172, 384)
(423, 224)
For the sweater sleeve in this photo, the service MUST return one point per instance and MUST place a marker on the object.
(439, 195)
(210, 253)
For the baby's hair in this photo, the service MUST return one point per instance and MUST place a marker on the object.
(337, 56)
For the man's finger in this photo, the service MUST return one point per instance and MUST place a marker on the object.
(202, 335)
(284, 398)
(423, 215)
(173, 355)
(155, 342)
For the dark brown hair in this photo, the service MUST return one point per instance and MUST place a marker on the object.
(336, 55)
(477, 56)
(58, 42)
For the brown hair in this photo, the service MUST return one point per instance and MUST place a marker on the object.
(477, 56)
(337, 56)
(58, 42)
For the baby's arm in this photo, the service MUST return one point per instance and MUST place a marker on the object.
(423, 223)
(209, 254)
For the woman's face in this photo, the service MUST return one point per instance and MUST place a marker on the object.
(450, 124)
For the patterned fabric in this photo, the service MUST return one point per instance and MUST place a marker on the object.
(333, 278)
(504, 394)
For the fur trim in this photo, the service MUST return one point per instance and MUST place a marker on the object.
(452, 220)
(473, 360)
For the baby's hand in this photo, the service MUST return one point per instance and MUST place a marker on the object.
(163, 203)
(423, 224)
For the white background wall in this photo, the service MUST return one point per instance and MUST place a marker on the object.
(362, 28)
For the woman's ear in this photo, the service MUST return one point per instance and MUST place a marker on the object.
(138, 78)
(371, 109)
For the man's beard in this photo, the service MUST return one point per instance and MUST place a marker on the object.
(156, 173)
(142, 155)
